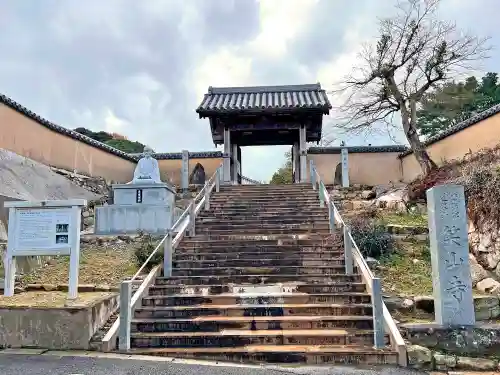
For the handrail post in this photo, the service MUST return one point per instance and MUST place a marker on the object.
(348, 259)
(192, 218)
(312, 171)
(331, 217)
(217, 180)
(167, 255)
(378, 314)
(207, 196)
(125, 315)
(321, 192)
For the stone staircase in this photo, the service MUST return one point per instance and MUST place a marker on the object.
(262, 280)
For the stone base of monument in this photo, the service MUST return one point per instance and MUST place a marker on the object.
(138, 207)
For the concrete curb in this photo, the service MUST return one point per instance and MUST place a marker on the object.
(90, 354)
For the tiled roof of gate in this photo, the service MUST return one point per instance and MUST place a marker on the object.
(227, 100)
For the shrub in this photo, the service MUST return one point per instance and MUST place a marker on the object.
(482, 187)
(372, 238)
(144, 249)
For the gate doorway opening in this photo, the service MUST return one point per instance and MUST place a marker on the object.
(264, 116)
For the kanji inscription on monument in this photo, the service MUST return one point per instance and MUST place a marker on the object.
(453, 301)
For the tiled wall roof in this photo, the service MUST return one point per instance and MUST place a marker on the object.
(459, 127)
(83, 138)
(226, 100)
(178, 155)
(357, 149)
(62, 130)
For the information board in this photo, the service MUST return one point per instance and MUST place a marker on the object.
(42, 228)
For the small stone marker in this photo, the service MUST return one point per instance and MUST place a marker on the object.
(185, 171)
(345, 167)
(452, 284)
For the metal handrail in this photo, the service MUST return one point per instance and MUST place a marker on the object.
(381, 315)
(249, 180)
(128, 300)
(177, 225)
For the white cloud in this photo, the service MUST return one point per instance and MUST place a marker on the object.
(140, 68)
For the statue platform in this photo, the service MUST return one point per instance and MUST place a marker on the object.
(137, 207)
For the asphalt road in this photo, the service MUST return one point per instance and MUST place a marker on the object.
(17, 364)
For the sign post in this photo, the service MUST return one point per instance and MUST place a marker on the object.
(44, 228)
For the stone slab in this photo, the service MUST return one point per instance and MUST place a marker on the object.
(132, 219)
(136, 194)
(448, 234)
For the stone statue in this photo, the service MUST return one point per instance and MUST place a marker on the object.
(147, 170)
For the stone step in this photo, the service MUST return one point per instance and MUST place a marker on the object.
(284, 260)
(265, 198)
(232, 338)
(251, 254)
(264, 230)
(267, 206)
(262, 271)
(252, 310)
(257, 220)
(309, 240)
(249, 216)
(284, 194)
(219, 323)
(239, 226)
(257, 279)
(280, 211)
(255, 298)
(298, 354)
(259, 187)
(206, 290)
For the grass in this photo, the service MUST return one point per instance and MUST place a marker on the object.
(51, 299)
(406, 219)
(408, 270)
(99, 265)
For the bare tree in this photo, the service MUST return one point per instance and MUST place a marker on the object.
(415, 51)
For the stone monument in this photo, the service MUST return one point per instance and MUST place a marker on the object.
(145, 204)
(147, 170)
(448, 234)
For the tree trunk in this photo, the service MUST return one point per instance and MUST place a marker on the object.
(423, 158)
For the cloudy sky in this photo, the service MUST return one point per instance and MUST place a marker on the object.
(140, 68)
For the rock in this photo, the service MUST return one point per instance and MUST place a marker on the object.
(338, 175)
(368, 194)
(49, 287)
(488, 286)
(372, 262)
(482, 364)
(489, 259)
(477, 272)
(425, 303)
(88, 221)
(335, 193)
(86, 288)
(486, 307)
(444, 362)
(419, 356)
(197, 176)
(485, 239)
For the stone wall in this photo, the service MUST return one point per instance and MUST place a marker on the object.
(54, 328)
(484, 246)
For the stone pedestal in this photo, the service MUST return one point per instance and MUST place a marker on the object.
(139, 207)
